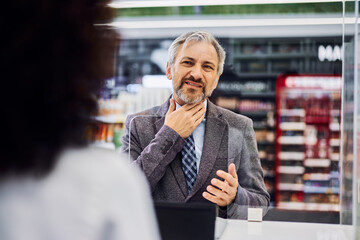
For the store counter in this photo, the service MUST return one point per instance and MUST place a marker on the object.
(269, 230)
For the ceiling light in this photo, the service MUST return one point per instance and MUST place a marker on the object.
(185, 23)
(179, 3)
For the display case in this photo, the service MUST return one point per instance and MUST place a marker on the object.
(307, 142)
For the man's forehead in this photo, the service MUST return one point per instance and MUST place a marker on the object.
(190, 43)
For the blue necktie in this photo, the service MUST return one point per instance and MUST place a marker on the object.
(189, 162)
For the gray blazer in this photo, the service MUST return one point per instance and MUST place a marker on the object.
(229, 138)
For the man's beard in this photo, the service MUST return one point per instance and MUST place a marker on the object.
(187, 97)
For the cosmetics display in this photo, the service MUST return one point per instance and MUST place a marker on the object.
(307, 142)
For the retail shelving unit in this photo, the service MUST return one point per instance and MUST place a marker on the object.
(109, 125)
(274, 56)
(307, 145)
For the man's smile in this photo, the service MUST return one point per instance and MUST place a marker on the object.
(193, 84)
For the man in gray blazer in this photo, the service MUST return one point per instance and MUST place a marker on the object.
(223, 166)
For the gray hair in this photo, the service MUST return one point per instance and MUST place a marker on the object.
(198, 36)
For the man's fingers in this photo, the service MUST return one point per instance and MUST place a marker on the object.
(199, 120)
(224, 186)
(172, 106)
(214, 199)
(228, 177)
(232, 170)
(223, 192)
(199, 116)
(210, 197)
(216, 192)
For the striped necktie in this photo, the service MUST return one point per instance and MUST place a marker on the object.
(189, 162)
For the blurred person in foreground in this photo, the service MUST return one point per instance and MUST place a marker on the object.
(53, 185)
(190, 149)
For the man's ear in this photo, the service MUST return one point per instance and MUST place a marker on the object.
(168, 71)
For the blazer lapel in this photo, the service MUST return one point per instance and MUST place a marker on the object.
(214, 131)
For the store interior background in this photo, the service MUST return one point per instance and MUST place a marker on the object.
(309, 177)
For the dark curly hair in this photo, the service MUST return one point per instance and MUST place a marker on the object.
(55, 57)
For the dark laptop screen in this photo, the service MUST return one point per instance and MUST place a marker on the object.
(186, 221)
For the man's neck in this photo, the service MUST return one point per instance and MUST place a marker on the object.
(179, 106)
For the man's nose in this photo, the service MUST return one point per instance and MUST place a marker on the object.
(196, 72)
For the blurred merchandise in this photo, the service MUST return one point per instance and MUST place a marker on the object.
(113, 111)
(117, 137)
(307, 145)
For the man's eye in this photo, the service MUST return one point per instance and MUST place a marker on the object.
(187, 62)
(209, 67)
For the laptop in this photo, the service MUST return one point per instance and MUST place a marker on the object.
(186, 221)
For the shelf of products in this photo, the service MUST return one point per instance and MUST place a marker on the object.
(307, 146)
(276, 56)
(309, 206)
(109, 124)
(108, 135)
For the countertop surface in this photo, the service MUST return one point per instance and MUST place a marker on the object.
(271, 230)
